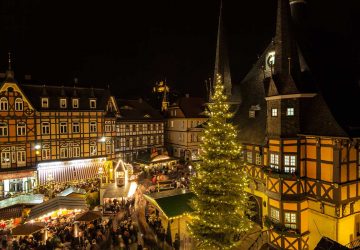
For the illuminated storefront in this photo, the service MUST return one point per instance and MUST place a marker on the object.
(17, 182)
(63, 171)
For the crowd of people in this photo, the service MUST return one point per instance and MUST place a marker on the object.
(52, 189)
(61, 233)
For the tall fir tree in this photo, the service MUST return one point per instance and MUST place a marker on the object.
(221, 206)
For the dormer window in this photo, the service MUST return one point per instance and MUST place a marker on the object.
(93, 104)
(75, 103)
(274, 112)
(44, 102)
(63, 103)
(251, 113)
(290, 112)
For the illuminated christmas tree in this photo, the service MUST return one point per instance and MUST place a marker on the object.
(221, 206)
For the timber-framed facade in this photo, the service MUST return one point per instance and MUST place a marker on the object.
(53, 133)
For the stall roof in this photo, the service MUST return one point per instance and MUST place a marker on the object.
(59, 202)
(172, 203)
(72, 190)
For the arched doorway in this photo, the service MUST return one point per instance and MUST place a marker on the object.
(256, 208)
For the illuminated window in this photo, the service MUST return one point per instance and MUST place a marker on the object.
(4, 105)
(45, 128)
(5, 159)
(63, 127)
(144, 140)
(93, 150)
(64, 153)
(21, 158)
(289, 163)
(171, 124)
(107, 127)
(274, 112)
(251, 113)
(76, 151)
(290, 220)
(75, 103)
(175, 112)
(63, 103)
(93, 127)
(19, 104)
(21, 129)
(290, 112)
(92, 104)
(3, 129)
(45, 154)
(249, 157)
(44, 102)
(258, 159)
(274, 214)
(274, 161)
(76, 127)
(156, 139)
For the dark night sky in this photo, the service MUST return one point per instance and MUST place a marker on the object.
(132, 44)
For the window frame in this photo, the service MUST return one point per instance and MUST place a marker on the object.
(92, 104)
(274, 161)
(75, 101)
(76, 125)
(274, 112)
(63, 103)
(19, 101)
(4, 127)
(290, 221)
(45, 128)
(290, 111)
(249, 156)
(3, 163)
(44, 100)
(21, 158)
(4, 104)
(21, 129)
(93, 127)
(76, 152)
(63, 128)
(64, 153)
(46, 154)
(274, 214)
(290, 163)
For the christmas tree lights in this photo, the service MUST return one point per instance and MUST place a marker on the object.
(221, 206)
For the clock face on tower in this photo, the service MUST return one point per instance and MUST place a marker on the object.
(270, 60)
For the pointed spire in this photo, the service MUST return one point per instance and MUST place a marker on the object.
(222, 61)
(286, 66)
(9, 75)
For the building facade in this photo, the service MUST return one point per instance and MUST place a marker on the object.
(303, 162)
(185, 120)
(140, 130)
(52, 133)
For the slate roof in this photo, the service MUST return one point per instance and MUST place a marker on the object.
(54, 93)
(316, 115)
(192, 107)
(137, 110)
(326, 243)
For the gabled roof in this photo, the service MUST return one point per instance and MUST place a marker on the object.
(137, 110)
(54, 93)
(192, 107)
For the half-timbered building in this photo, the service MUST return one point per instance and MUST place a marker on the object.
(53, 133)
(302, 159)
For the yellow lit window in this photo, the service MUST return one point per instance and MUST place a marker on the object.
(290, 220)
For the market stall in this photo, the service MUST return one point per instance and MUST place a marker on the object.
(60, 205)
